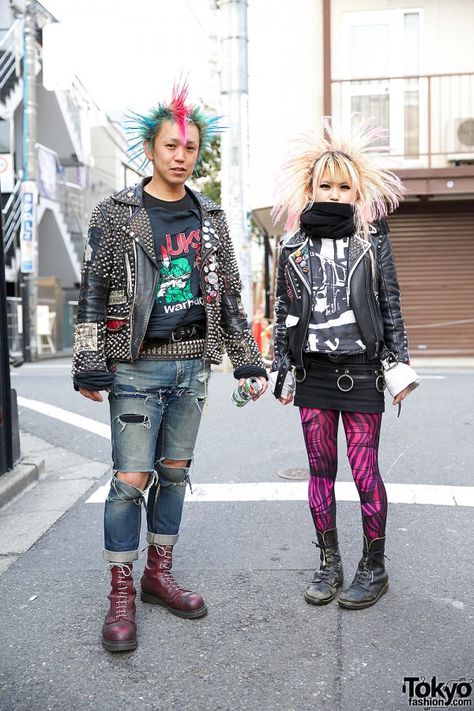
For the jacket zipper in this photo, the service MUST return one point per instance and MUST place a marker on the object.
(293, 285)
(371, 310)
(133, 295)
(308, 289)
(129, 275)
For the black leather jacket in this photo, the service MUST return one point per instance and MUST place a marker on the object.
(374, 296)
(119, 276)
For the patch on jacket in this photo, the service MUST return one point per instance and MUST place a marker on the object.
(117, 297)
(85, 337)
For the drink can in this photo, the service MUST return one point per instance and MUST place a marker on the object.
(247, 391)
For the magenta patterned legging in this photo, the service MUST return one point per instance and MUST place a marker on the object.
(362, 435)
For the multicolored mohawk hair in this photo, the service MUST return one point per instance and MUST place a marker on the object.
(146, 127)
(354, 155)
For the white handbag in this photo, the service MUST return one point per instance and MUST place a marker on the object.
(398, 376)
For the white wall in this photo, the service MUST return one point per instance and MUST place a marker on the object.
(285, 83)
(446, 32)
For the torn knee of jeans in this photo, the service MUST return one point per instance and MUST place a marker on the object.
(123, 491)
(173, 475)
(133, 419)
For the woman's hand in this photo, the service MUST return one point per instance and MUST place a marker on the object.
(402, 395)
(286, 400)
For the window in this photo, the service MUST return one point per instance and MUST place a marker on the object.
(382, 56)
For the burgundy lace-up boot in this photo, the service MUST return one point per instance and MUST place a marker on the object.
(160, 588)
(119, 631)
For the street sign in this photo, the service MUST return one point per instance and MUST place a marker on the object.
(28, 231)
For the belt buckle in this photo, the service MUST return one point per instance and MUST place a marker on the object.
(186, 332)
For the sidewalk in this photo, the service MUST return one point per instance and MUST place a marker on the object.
(49, 480)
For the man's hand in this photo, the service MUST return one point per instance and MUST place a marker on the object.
(91, 394)
(264, 383)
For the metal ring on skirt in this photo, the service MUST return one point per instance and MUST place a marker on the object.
(298, 378)
(380, 383)
(345, 375)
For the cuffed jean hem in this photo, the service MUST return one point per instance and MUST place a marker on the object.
(120, 556)
(160, 539)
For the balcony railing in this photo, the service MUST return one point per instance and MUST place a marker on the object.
(429, 118)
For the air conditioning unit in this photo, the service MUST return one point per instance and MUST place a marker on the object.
(461, 139)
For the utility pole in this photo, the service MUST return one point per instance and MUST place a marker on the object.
(29, 232)
(6, 431)
(234, 92)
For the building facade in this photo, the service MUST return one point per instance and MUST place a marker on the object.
(49, 178)
(411, 68)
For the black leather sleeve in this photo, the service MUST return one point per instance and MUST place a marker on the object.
(237, 335)
(395, 336)
(98, 262)
(280, 338)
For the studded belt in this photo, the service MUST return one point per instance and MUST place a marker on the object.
(173, 350)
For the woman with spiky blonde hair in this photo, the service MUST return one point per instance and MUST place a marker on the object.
(339, 335)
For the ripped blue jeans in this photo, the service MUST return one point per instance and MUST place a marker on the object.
(155, 413)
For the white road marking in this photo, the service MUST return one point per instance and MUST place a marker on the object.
(85, 423)
(424, 494)
(38, 366)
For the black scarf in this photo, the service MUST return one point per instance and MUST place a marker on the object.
(328, 219)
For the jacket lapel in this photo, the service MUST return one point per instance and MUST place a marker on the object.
(299, 260)
(358, 247)
(141, 231)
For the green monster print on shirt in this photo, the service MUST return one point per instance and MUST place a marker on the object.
(174, 281)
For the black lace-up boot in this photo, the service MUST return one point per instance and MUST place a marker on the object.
(371, 579)
(329, 577)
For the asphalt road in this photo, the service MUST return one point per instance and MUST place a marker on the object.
(261, 646)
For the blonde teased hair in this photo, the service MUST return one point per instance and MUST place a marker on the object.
(351, 157)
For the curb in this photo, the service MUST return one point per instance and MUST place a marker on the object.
(23, 474)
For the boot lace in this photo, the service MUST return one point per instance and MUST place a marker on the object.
(121, 599)
(364, 571)
(325, 571)
(166, 552)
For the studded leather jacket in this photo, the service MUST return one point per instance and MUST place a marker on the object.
(374, 297)
(118, 286)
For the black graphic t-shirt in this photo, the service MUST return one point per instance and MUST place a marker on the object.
(177, 232)
(333, 327)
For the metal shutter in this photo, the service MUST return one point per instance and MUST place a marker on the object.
(434, 252)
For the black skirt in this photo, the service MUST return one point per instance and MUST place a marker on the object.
(347, 382)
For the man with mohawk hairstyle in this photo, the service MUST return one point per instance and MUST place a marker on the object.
(159, 303)
(339, 336)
